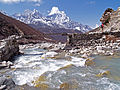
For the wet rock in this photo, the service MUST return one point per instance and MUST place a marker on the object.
(66, 67)
(2, 79)
(5, 64)
(109, 53)
(9, 64)
(2, 87)
(21, 53)
(89, 62)
(49, 55)
(60, 55)
(40, 82)
(106, 73)
(9, 83)
(84, 55)
(65, 86)
(70, 85)
(6, 83)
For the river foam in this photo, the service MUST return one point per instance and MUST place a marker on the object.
(31, 65)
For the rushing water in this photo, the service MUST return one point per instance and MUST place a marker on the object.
(62, 72)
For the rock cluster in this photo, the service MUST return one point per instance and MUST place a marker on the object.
(44, 45)
(8, 48)
(6, 83)
(106, 45)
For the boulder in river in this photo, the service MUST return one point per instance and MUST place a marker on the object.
(6, 83)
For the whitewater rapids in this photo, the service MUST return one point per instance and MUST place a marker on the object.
(32, 65)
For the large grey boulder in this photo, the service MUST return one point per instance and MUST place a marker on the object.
(6, 83)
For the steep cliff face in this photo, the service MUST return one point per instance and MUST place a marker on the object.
(10, 26)
(115, 20)
(106, 16)
(112, 22)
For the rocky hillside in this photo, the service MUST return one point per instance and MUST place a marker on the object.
(10, 26)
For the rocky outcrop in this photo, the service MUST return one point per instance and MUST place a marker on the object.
(8, 48)
(106, 16)
(110, 20)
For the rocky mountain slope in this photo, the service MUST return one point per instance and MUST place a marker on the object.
(110, 20)
(55, 19)
(10, 26)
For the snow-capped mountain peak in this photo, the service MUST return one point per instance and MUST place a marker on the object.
(55, 10)
(55, 19)
(58, 17)
(28, 16)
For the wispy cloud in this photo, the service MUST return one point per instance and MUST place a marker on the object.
(37, 4)
(15, 1)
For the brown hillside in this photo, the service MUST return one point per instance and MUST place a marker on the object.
(10, 26)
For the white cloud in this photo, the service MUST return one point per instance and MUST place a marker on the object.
(14, 1)
(37, 4)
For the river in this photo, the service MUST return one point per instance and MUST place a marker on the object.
(33, 70)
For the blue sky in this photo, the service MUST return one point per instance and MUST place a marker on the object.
(84, 11)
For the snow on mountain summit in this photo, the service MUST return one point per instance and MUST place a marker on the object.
(55, 19)
(55, 10)
(58, 17)
(28, 16)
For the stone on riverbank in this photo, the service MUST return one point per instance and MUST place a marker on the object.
(106, 73)
(6, 83)
(5, 64)
(9, 48)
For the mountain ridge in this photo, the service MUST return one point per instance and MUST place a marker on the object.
(55, 19)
